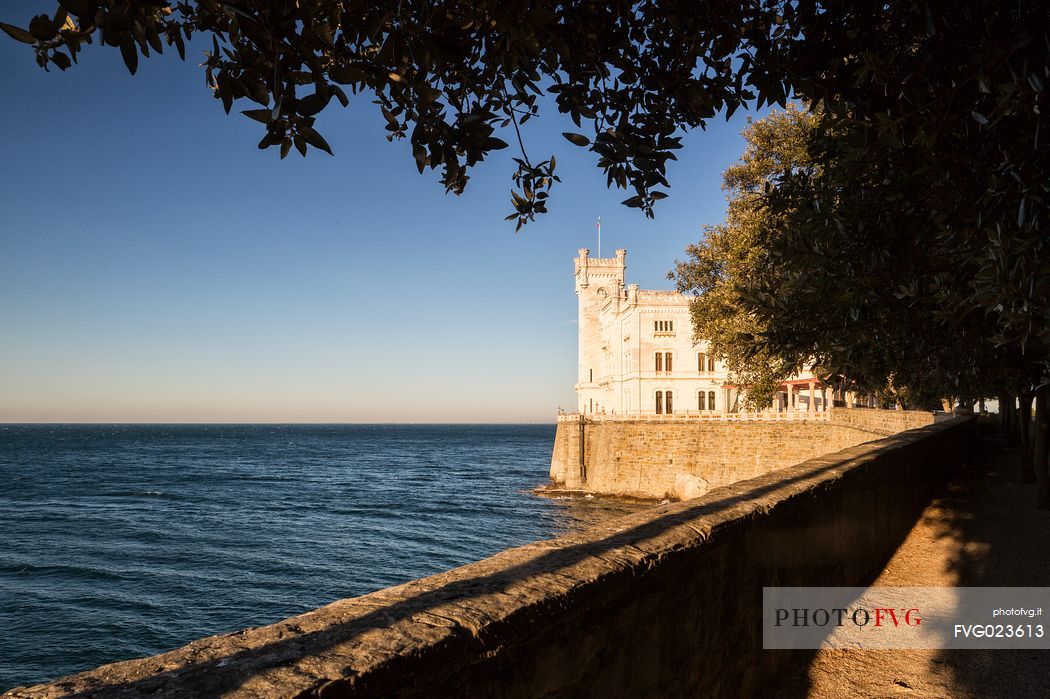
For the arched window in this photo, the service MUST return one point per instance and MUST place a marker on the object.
(710, 362)
(659, 401)
(701, 362)
(667, 361)
(659, 361)
(701, 401)
(711, 400)
(668, 408)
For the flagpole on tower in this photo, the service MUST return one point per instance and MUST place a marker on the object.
(599, 236)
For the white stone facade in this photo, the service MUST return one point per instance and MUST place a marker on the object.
(637, 357)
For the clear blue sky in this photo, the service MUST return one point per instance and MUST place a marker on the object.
(156, 267)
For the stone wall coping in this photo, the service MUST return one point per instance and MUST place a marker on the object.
(744, 416)
(371, 644)
(699, 415)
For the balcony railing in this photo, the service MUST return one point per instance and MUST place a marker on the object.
(700, 415)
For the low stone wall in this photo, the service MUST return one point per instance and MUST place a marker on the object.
(646, 457)
(882, 422)
(666, 602)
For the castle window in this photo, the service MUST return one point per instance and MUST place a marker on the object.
(710, 400)
(659, 401)
(710, 362)
(701, 363)
(701, 401)
(667, 361)
(659, 361)
(667, 403)
(663, 326)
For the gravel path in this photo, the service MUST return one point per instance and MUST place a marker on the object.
(983, 531)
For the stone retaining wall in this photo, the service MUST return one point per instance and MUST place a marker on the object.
(881, 422)
(665, 602)
(645, 458)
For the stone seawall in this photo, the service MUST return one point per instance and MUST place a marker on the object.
(666, 602)
(882, 422)
(646, 457)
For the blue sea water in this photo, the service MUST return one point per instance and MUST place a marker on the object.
(118, 541)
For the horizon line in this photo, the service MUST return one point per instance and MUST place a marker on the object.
(76, 423)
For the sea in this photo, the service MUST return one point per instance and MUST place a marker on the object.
(121, 541)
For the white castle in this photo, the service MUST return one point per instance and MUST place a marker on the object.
(637, 355)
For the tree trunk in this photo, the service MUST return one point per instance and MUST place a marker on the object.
(1015, 417)
(1025, 425)
(1006, 405)
(1041, 448)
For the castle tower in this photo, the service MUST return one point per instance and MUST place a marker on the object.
(599, 287)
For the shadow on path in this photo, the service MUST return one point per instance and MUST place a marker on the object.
(983, 530)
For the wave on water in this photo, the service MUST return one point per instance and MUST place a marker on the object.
(125, 540)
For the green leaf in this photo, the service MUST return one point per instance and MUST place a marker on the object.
(312, 104)
(340, 95)
(257, 91)
(77, 7)
(154, 39)
(315, 139)
(344, 75)
(270, 139)
(131, 56)
(226, 96)
(18, 34)
(576, 139)
(260, 115)
(420, 154)
(61, 60)
(42, 28)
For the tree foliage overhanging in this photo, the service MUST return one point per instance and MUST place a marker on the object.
(449, 75)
